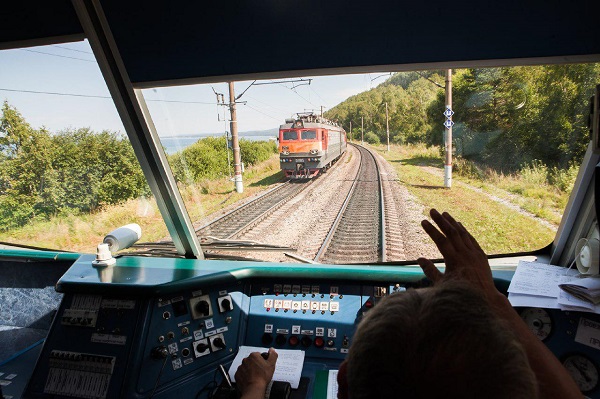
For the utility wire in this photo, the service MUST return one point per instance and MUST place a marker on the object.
(260, 112)
(298, 94)
(56, 55)
(96, 96)
(267, 104)
(314, 91)
(72, 49)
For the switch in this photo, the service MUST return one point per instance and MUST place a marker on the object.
(201, 347)
(293, 341)
(160, 352)
(306, 341)
(267, 339)
(280, 340)
(225, 304)
(217, 342)
(203, 308)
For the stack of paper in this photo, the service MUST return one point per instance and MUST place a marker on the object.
(537, 285)
(586, 289)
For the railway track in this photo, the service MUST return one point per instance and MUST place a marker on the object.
(247, 216)
(358, 232)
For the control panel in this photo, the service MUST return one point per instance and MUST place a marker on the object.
(86, 352)
(189, 331)
(109, 347)
(319, 319)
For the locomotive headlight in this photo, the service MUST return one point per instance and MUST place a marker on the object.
(285, 152)
(314, 151)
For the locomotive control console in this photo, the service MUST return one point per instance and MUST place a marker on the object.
(163, 334)
(109, 345)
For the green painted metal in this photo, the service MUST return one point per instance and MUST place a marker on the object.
(38, 255)
(160, 275)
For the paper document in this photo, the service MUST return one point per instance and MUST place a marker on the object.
(332, 385)
(539, 279)
(586, 289)
(288, 368)
(553, 287)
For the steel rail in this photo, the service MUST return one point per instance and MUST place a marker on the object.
(329, 236)
(381, 240)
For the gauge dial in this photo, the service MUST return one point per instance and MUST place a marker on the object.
(539, 322)
(584, 372)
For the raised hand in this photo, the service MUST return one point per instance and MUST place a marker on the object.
(464, 258)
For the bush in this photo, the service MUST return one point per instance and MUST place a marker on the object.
(372, 138)
(254, 152)
(207, 158)
(535, 173)
(564, 179)
(467, 168)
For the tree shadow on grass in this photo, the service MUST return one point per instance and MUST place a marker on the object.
(420, 161)
(276, 177)
(427, 187)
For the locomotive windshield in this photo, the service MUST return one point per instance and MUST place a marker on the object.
(308, 134)
(68, 174)
(290, 135)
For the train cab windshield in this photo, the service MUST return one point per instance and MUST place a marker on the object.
(289, 135)
(308, 134)
(275, 166)
(180, 187)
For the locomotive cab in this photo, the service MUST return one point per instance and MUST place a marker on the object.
(169, 317)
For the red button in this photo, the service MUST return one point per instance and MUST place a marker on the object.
(319, 342)
(293, 341)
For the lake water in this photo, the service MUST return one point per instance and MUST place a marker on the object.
(178, 143)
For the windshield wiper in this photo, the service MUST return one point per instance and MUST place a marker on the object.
(209, 244)
(11, 245)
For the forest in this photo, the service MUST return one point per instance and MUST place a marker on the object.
(505, 118)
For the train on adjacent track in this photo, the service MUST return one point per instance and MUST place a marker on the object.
(309, 144)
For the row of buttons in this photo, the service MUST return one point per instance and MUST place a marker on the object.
(288, 304)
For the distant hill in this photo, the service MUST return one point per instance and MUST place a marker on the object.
(269, 132)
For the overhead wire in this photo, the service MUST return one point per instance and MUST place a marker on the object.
(72, 49)
(260, 112)
(56, 55)
(298, 94)
(267, 104)
(98, 96)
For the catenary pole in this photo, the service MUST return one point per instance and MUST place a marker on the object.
(448, 144)
(237, 159)
(350, 130)
(362, 131)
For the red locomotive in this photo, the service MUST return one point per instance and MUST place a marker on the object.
(308, 144)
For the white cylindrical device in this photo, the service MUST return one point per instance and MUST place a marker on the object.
(123, 237)
(587, 254)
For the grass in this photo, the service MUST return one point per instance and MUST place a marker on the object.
(498, 228)
(82, 233)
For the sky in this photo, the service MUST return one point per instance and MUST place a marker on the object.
(60, 87)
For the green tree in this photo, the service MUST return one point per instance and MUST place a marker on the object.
(24, 159)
